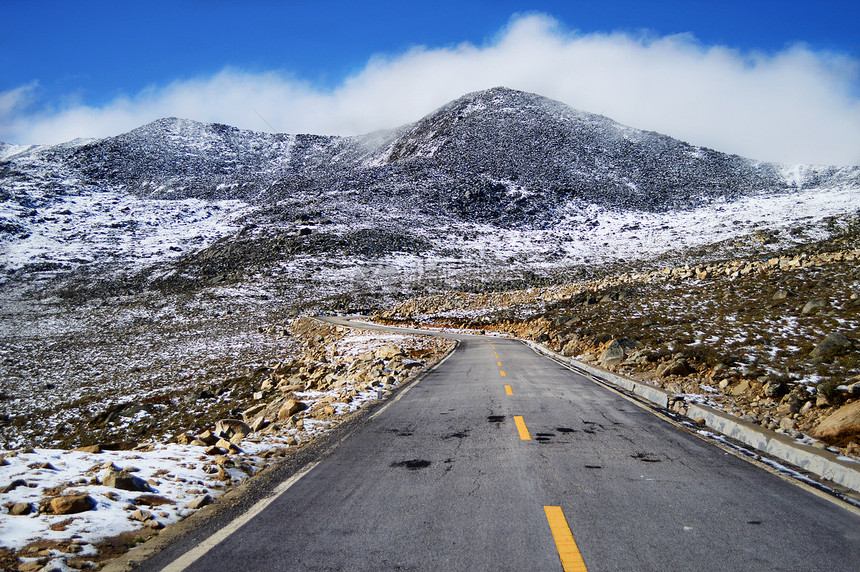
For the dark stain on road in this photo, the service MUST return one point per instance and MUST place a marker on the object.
(496, 418)
(593, 466)
(413, 464)
(646, 457)
(565, 430)
(457, 435)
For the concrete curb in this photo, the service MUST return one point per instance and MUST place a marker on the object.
(823, 463)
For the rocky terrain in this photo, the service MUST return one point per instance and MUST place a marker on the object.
(78, 507)
(771, 339)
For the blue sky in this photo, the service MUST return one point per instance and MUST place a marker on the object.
(721, 73)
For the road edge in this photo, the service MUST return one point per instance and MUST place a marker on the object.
(820, 462)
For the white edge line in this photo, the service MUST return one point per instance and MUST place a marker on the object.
(194, 554)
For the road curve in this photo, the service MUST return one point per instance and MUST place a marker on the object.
(501, 459)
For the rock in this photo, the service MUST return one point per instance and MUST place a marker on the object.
(782, 295)
(387, 352)
(787, 424)
(290, 408)
(259, 423)
(213, 450)
(234, 430)
(613, 354)
(20, 509)
(199, 502)
(140, 515)
(774, 388)
(124, 480)
(678, 367)
(72, 504)
(208, 437)
(741, 388)
(813, 306)
(13, 485)
(834, 344)
(90, 449)
(228, 446)
(840, 427)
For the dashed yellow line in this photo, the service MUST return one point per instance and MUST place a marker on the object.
(503, 373)
(571, 559)
(508, 390)
(498, 363)
(521, 427)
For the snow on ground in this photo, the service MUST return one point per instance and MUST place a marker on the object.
(109, 226)
(179, 473)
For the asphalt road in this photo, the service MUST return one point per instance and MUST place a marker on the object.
(442, 479)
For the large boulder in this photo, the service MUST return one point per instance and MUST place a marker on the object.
(841, 427)
(233, 429)
(834, 344)
(72, 504)
(617, 350)
(291, 407)
(123, 480)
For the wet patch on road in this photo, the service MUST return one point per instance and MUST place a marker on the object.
(413, 464)
(646, 457)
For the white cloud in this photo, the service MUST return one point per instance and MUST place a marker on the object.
(797, 105)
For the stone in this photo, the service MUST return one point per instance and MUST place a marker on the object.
(678, 367)
(72, 504)
(199, 502)
(259, 423)
(387, 352)
(613, 354)
(124, 480)
(208, 437)
(90, 449)
(813, 306)
(741, 388)
(140, 515)
(834, 344)
(13, 485)
(774, 388)
(782, 295)
(290, 408)
(20, 509)
(840, 427)
(228, 446)
(787, 424)
(233, 429)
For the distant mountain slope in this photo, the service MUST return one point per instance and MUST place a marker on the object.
(494, 159)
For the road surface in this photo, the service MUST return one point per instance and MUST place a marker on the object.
(501, 459)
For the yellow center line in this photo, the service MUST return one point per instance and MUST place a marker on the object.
(521, 427)
(508, 390)
(503, 373)
(499, 363)
(571, 559)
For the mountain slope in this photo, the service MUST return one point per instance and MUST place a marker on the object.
(556, 185)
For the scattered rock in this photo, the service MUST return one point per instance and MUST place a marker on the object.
(840, 427)
(290, 408)
(679, 367)
(13, 485)
(199, 502)
(20, 509)
(90, 449)
(72, 504)
(123, 480)
(834, 344)
(813, 306)
(233, 429)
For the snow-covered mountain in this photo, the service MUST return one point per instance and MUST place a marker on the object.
(534, 180)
